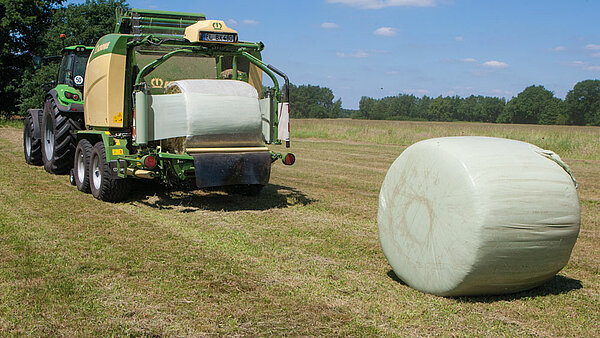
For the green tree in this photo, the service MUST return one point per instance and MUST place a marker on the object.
(468, 109)
(444, 108)
(582, 104)
(83, 24)
(22, 29)
(491, 108)
(314, 102)
(534, 105)
(422, 108)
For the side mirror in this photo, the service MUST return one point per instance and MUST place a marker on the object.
(37, 62)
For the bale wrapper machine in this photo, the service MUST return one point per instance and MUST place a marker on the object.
(177, 98)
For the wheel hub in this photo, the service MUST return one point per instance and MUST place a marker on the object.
(49, 138)
(96, 175)
(28, 142)
(80, 167)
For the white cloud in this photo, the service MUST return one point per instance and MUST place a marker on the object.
(377, 4)
(417, 91)
(596, 55)
(558, 49)
(469, 60)
(386, 31)
(233, 22)
(459, 38)
(495, 64)
(592, 47)
(329, 25)
(584, 65)
(360, 54)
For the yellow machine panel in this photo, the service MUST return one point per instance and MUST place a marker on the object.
(255, 79)
(104, 91)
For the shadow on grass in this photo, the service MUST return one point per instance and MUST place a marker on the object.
(272, 196)
(558, 285)
(395, 278)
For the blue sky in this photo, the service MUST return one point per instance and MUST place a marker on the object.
(382, 48)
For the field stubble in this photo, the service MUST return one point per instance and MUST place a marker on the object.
(302, 259)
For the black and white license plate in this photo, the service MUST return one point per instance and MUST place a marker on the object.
(216, 37)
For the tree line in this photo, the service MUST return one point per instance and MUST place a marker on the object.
(534, 105)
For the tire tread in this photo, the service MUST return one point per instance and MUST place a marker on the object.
(66, 124)
(111, 190)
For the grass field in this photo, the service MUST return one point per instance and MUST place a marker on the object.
(302, 259)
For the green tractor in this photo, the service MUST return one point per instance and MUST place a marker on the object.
(169, 97)
(49, 133)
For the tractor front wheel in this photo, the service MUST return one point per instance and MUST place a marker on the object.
(32, 146)
(103, 185)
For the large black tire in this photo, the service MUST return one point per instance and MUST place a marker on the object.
(58, 138)
(81, 164)
(32, 147)
(102, 185)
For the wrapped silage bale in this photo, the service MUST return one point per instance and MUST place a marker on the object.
(207, 113)
(471, 216)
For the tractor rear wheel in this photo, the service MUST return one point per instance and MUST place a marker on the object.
(58, 138)
(81, 173)
(32, 146)
(103, 185)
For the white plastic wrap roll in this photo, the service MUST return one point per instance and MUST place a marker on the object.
(477, 215)
(210, 113)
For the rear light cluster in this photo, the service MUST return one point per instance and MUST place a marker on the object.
(289, 159)
(150, 162)
(72, 96)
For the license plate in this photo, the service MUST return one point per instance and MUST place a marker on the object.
(218, 37)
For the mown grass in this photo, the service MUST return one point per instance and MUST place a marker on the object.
(568, 141)
(302, 259)
(6, 123)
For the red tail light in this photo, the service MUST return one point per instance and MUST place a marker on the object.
(69, 95)
(150, 162)
(289, 159)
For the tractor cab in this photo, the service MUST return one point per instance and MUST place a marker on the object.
(72, 67)
(67, 89)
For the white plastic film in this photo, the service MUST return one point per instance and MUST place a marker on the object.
(207, 112)
(283, 129)
(265, 109)
(475, 216)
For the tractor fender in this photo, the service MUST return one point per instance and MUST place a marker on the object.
(36, 117)
(73, 107)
